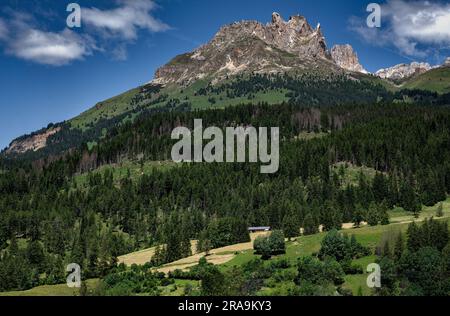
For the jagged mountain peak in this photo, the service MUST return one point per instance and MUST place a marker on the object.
(403, 71)
(447, 62)
(345, 57)
(250, 46)
(296, 23)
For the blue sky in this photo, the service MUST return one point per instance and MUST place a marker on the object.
(49, 73)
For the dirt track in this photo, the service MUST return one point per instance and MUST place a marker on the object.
(216, 256)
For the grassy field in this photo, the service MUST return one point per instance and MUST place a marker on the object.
(106, 109)
(122, 103)
(143, 256)
(178, 289)
(310, 135)
(52, 290)
(120, 171)
(399, 215)
(351, 173)
(237, 255)
(436, 80)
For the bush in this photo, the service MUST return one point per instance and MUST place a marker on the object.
(284, 275)
(340, 247)
(262, 247)
(269, 246)
(168, 281)
(280, 264)
(277, 244)
(313, 271)
(350, 268)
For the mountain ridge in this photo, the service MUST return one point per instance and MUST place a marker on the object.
(248, 47)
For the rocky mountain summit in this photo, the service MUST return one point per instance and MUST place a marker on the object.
(403, 71)
(250, 46)
(447, 62)
(345, 57)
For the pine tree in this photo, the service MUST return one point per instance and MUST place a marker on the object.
(13, 246)
(358, 216)
(3, 233)
(414, 237)
(331, 217)
(383, 214)
(310, 226)
(410, 202)
(380, 190)
(290, 227)
(399, 247)
(387, 250)
(186, 230)
(373, 217)
(35, 255)
(159, 257)
(173, 238)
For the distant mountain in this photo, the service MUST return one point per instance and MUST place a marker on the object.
(249, 46)
(420, 76)
(436, 80)
(403, 71)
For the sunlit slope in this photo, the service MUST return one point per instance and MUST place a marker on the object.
(436, 80)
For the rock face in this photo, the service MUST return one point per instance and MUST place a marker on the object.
(346, 58)
(403, 71)
(447, 62)
(250, 46)
(295, 36)
(31, 143)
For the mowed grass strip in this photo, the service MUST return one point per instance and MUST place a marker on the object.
(52, 290)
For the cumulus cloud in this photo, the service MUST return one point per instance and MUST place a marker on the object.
(107, 30)
(413, 27)
(126, 20)
(50, 48)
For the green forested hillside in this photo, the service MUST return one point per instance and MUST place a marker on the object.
(295, 89)
(53, 215)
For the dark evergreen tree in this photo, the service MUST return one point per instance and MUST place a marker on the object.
(291, 228)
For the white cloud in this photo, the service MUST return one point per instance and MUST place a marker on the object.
(50, 48)
(415, 28)
(125, 20)
(420, 21)
(108, 31)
